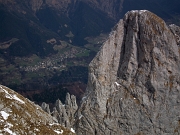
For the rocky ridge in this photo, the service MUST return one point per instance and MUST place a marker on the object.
(134, 81)
(20, 116)
(64, 113)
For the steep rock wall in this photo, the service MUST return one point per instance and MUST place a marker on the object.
(134, 81)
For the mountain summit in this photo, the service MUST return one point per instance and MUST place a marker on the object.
(134, 80)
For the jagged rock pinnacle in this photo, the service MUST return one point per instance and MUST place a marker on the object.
(45, 107)
(64, 113)
(134, 80)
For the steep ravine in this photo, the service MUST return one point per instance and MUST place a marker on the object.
(134, 81)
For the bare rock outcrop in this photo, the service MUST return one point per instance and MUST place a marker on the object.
(62, 116)
(71, 107)
(64, 113)
(176, 31)
(134, 81)
(45, 107)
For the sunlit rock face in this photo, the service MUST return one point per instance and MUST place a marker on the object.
(134, 81)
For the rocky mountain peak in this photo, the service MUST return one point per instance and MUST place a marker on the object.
(64, 113)
(134, 80)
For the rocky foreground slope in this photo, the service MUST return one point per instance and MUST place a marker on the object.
(19, 116)
(134, 81)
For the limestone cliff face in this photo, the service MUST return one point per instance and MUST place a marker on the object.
(134, 81)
